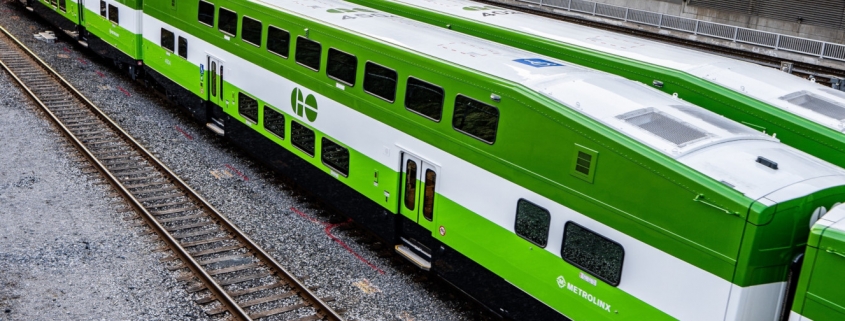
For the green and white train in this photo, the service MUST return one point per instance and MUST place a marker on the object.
(545, 190)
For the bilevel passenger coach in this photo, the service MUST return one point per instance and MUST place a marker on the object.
(802, 114)
(545, 190)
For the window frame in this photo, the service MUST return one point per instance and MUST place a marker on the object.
(454, 110)
(328, 164)
(260, 31)
(218, 21)
(548, 223)
(264, 121)
(172, 42)
(213, 14)
(589, 271)
(338, 79)
(268, 41)
(292, 143)
(116, 10)
(297, 50)
(442, 102)
(364, 81)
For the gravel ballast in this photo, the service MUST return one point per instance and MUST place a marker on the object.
(286, 224)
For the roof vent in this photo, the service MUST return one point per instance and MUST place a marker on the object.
(767, 162)
(816, 104)
(664, 126)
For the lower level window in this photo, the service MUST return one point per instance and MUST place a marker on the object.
(302, 137)
(274, 121)
(335, 156)
(593, 253)
(248, 107)
(63, 5)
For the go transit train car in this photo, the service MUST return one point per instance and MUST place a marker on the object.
(802, 114)
(819, 294)
(545, 190)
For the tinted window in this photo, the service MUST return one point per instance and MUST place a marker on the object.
(335, 156)
(274, 121)
(592, 253)
(410, 184)
(206, 13)
(428, 194)
(53, 2)
(308, 53)
(476, 119)
(228, 22)
(248, 107)
(532, 222)
(252, 31)
(302, 137)
(183, 47)
(167, 39)
(424, 98)
(114, 16)
(103, 8)
(380, 81)
(63, 5)
(278, 41)
(341, 66)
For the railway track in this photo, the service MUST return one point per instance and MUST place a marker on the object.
(232, 275)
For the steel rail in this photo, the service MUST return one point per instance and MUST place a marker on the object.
(323, 311)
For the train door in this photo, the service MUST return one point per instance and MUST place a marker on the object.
(214, 90)
(419, 181)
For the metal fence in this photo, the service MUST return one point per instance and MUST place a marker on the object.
(699, 27)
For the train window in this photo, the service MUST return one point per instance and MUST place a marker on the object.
(302, 137)
(428, 194)
(424, 99)
(227, 22)
(248, 107)
(592, 253)
(167, 39)
(335, 156)
(278, 41)
(252, 31)
(103, 9)
(410, 184)
(341, 66)
(274, 122)
(114, 15)
(183, 47)
(205, 13)
(380, 81)
(532, 222)
(308, 53)
(53, 2)
(63, 5)
(476, 119)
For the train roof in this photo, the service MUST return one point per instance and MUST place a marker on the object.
(822, 105)
(692, 135)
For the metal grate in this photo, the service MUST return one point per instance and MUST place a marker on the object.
(816, 104)
(716, 120)
(664, 126)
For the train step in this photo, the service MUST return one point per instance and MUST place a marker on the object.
(216, 129)
(414, 253)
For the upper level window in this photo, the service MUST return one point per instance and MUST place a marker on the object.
(592, 253)
(206, 13)
(252, 31)
(476, 119)
(278, 41)
(183, 47)
(341, 66)
(308, 53)
(335, 156)
(114, 16)
(532, 222)
(380, 81)
(228, 22)
(424, 99)
(167, 39)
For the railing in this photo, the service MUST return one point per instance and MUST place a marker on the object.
(821, 49)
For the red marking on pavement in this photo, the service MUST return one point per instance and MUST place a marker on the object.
(237, 172)
(328, 230)
(82, 61)
(66, 49)
(124, 91)
(99, 74)
(184, 133)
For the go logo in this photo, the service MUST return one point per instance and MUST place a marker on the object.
(308, 106)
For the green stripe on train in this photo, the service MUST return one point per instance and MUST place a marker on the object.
(119, 37)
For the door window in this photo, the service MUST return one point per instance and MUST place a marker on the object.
(428, 194)
(410, 184)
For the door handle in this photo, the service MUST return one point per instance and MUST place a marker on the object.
(834, 252)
